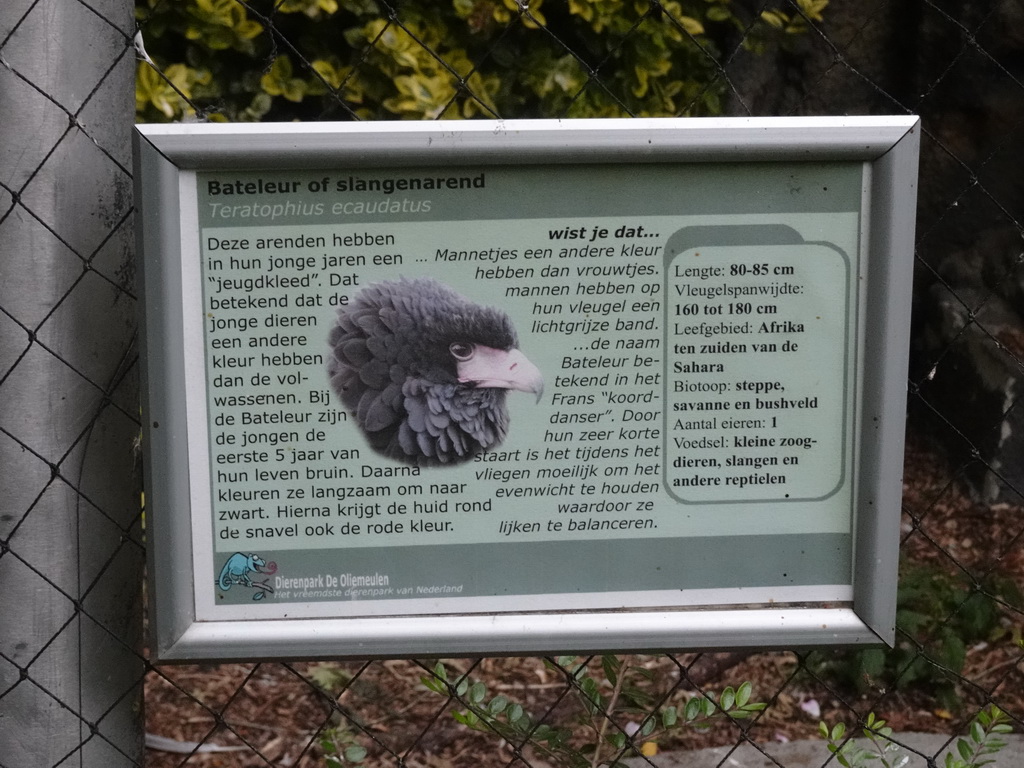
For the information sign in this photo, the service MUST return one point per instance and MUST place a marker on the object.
(525, 386)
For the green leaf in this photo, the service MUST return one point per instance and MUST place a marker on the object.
(544, 732)
(588, 748)
(433, 684)
(355, 753)
(588, 685)
(638, 697)
(591, 695)
(469, 719)
(718, 13)
(964, 748)
(743, 693)
(477, 692)
(611, 666)
(977, 732)
(497, 705)
(728, 699)
(669, 716)
(691, 25)
(778, 19)
(692, 710)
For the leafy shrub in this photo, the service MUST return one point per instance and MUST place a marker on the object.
(620, 692)
(974, 751)
(244, 60)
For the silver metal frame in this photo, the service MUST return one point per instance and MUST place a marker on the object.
(166, 157)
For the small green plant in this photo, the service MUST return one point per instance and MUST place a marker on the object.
(338, 742)
(340, 747)
(939, 616)
(974, 751)
(618, 693)
(851, 754)
(983, 740)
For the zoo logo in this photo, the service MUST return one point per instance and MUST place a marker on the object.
(238, 568)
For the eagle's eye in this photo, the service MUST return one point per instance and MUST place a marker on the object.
(461, 350)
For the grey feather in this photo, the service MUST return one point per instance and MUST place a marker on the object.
(392, 369)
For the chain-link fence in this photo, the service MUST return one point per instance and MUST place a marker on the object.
(71, 549)
(72, 666)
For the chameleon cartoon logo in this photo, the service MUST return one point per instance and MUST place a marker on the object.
(238, 568)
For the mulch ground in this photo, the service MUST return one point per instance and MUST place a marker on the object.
(297, 714)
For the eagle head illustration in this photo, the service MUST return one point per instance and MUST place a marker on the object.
(425, 371)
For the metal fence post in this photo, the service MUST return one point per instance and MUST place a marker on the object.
(71, 550)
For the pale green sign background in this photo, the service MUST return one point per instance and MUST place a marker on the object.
(696, 330)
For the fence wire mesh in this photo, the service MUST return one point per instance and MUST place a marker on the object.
(70, 539)
(70, 413)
